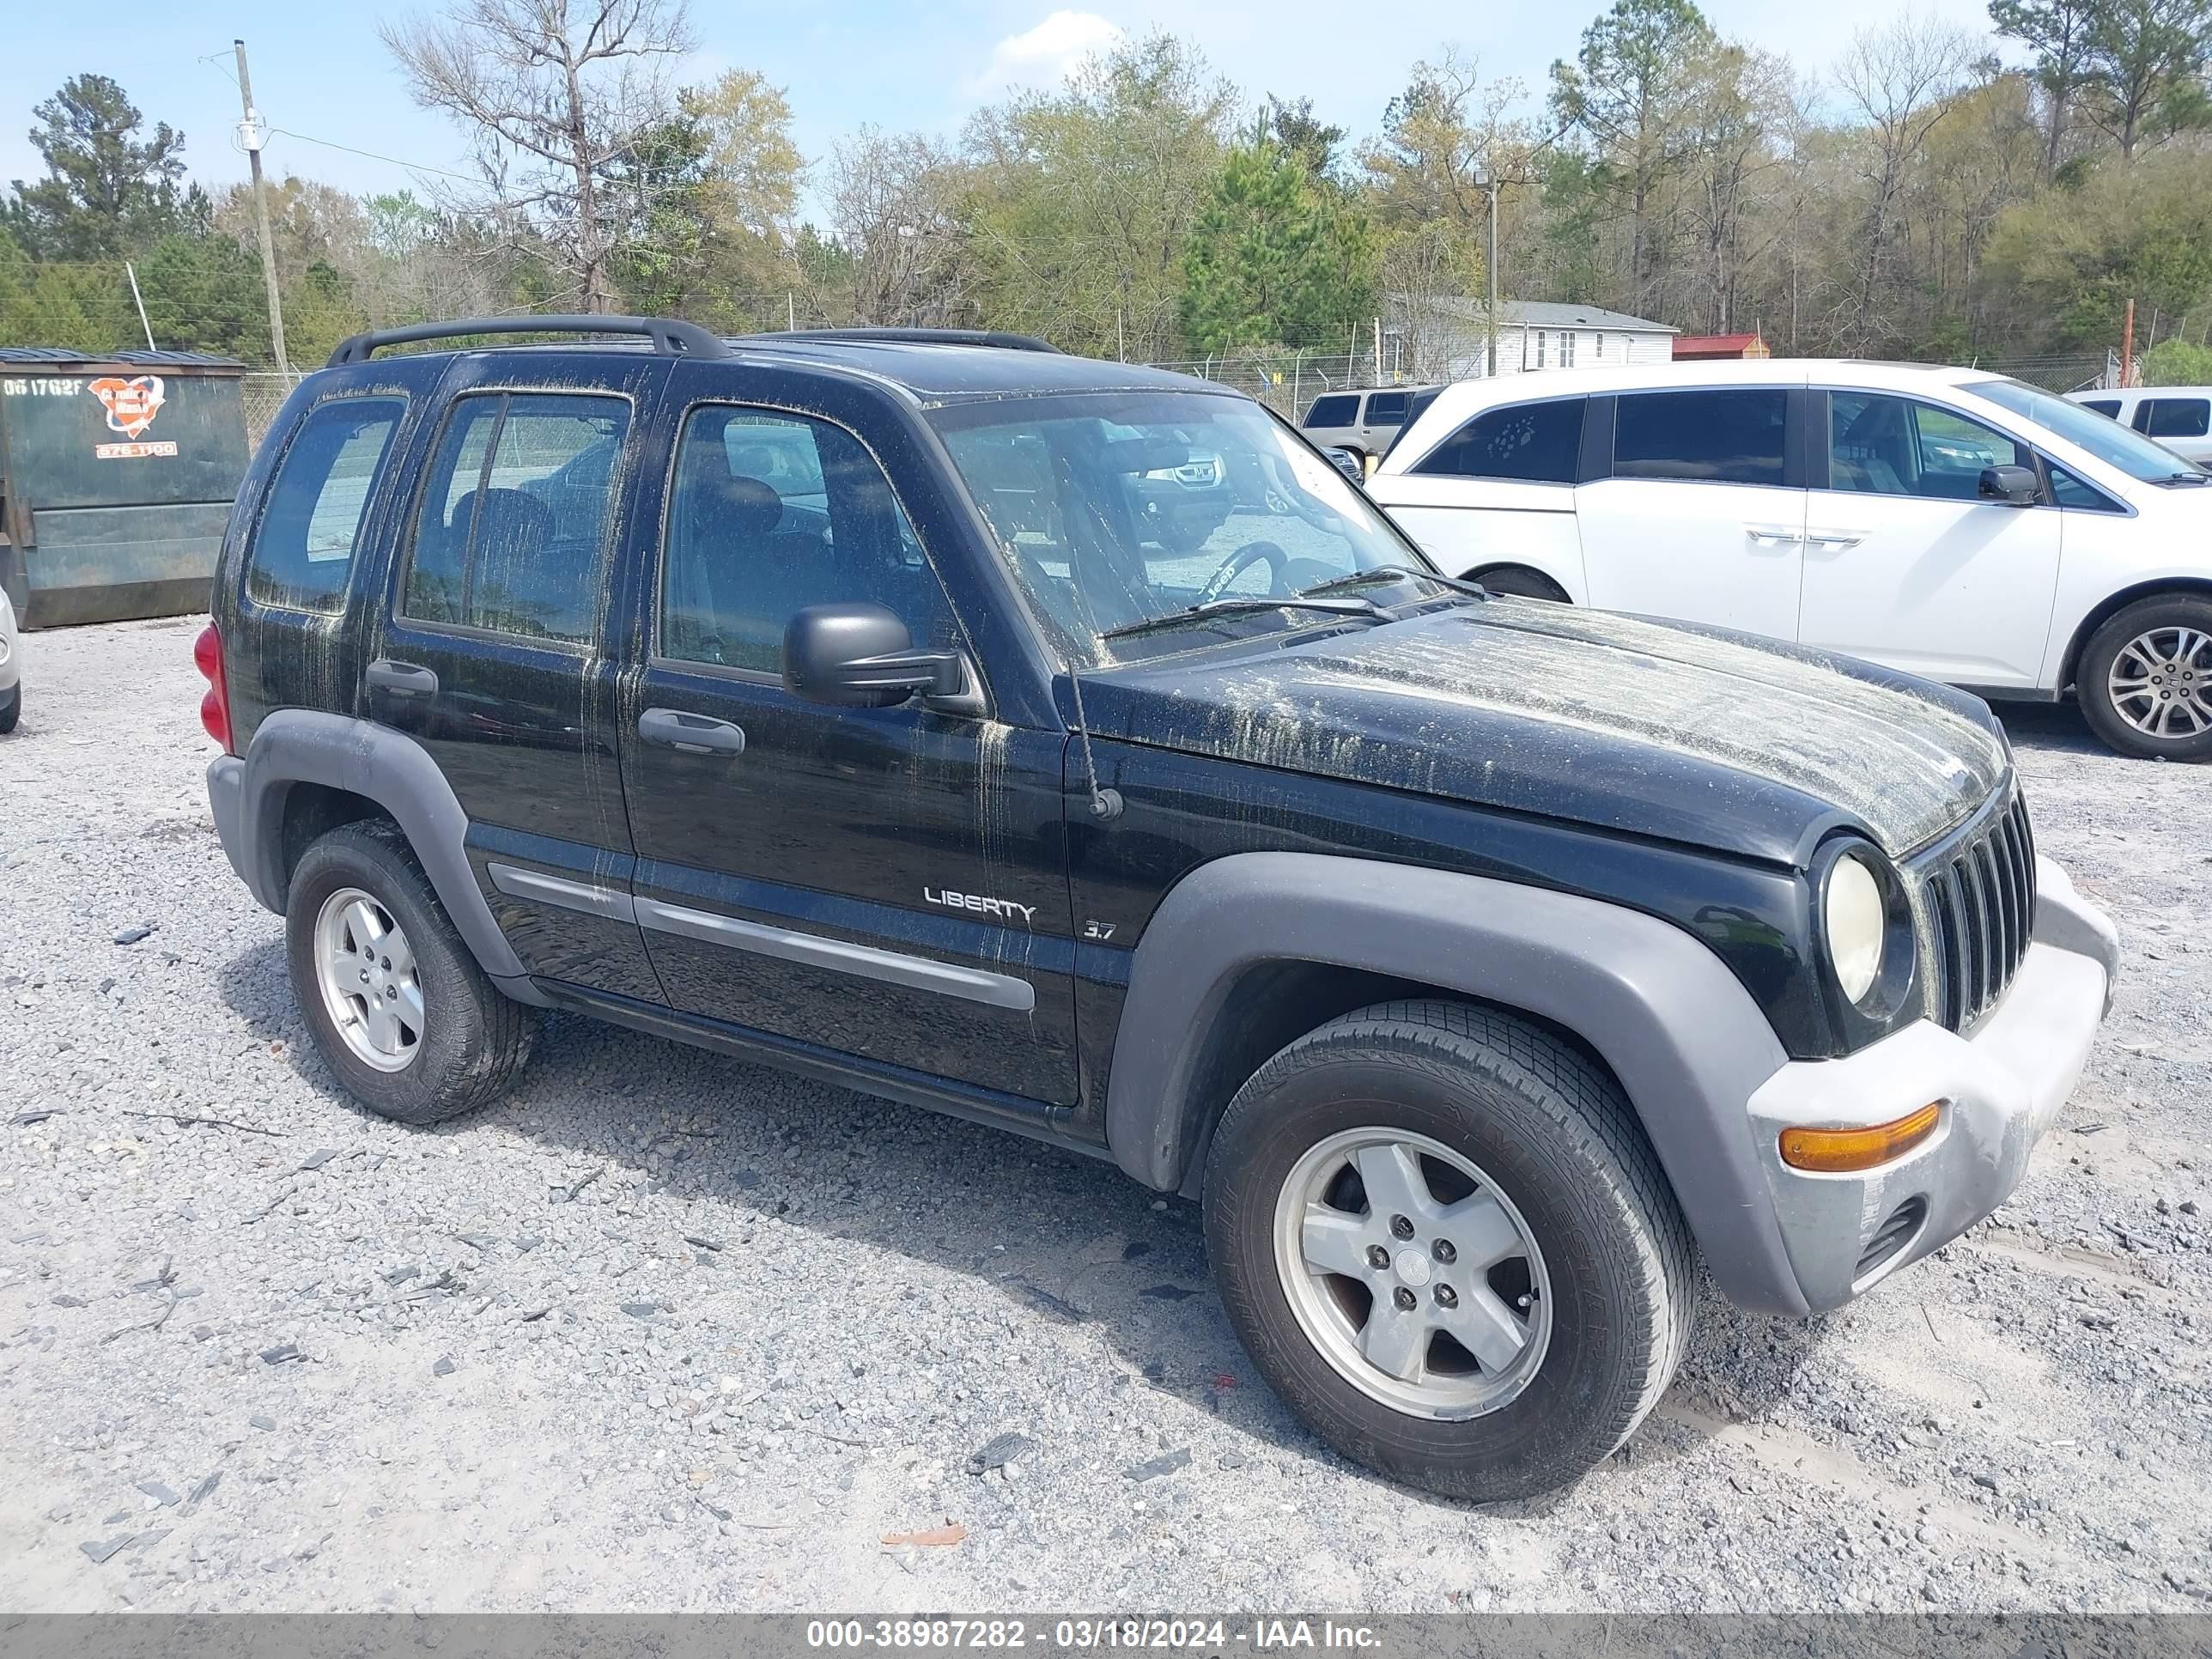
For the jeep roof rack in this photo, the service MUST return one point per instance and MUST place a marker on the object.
(959, 337)
(670, 338)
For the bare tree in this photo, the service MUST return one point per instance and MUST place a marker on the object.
(1899, 81)
(558, 95)
(893, 203)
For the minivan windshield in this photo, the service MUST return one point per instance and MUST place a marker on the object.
(2101, 435)
(1118, 509)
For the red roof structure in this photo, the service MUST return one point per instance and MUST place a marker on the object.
(1706, 346)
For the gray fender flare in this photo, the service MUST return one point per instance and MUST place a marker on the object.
(299, 745)
(1686, 1040)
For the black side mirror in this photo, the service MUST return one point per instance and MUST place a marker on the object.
(2016, 486)
(861, 656)
(1348, 464)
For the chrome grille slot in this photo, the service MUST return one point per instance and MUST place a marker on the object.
(1978, 890)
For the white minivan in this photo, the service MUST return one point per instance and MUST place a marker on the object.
(2178, 417)
(1947, 522)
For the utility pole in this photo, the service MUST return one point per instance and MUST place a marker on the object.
(2128, 347)
(250, 135)
(1490, 259)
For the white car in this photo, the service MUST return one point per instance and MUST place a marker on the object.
(1944, 521)
(2178, 417)
(11, 668)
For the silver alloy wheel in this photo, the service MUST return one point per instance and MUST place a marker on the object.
(2160, 683)
(1435, 1303)
(366, 972)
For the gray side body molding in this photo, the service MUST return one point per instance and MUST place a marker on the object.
(1687, 1043)
(298, 745)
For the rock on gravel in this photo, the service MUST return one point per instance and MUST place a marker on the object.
(894, 1291)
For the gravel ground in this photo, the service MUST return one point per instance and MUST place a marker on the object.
(666, 1331)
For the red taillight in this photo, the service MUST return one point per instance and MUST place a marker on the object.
(215, 707)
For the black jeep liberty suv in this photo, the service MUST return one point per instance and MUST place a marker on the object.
(850, 702)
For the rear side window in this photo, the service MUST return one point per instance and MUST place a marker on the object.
(2178, 418)
(302, 555)
(2103, 406)
(1711, 437)
(1339, 411)
(1386, 408)
(1540, 443)
(515, 515)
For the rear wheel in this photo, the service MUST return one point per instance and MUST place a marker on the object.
(11, 708)
(2145, 679)
(1449, 1248)
(400, 1011)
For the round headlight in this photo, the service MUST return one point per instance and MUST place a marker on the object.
(1854, 922)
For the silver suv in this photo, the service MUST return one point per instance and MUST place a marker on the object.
(1364, 422)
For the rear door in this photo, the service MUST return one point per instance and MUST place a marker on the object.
(1906, 564)
(492, 652)
(1380, 420)
(1701, 514)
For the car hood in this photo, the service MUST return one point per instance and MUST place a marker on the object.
(1698, 735)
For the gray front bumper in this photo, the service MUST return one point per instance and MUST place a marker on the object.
(2002, 1086)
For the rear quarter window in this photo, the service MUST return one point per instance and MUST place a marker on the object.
(1339, 411)
(302, 555)
(1536, 443)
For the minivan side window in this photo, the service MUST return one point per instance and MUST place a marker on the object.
(1341, 409)
(772, 513)
(2103, 405)
(1720, 437)
(515, 515)
(311, 528)
(1884, 445)
(2177, 417)
(1386, 408)
(1537, 443)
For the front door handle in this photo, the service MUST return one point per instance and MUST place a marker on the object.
(694, 734)
(1770, 535)
(402, 679)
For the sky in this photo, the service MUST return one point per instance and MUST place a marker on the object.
(320, 73)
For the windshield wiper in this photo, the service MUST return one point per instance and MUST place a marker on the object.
(1346, 606)
(1396, 573)
(2184, 477)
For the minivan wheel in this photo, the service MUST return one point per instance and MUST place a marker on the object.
(400, 1011)
(11, 708)
(1449, 1248)
(2145, 679)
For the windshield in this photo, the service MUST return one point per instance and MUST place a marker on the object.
(2101, 435)
(1116, 508)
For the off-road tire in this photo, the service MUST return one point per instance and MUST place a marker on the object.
(475, 1039)
(1555, 1135)
(2092, 675)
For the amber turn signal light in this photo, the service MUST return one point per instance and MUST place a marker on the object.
(1835, 1151)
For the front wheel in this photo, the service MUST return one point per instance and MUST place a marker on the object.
(1449, 1248)
(11, 708)
(2145, 679)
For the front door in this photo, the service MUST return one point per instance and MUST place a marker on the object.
(887, 884)
(1699, 518)
(1906, 564)
(492, 653)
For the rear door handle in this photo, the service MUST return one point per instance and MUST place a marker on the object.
(694, 734)
(402, 679)
(1837, 539)
(1771, 535)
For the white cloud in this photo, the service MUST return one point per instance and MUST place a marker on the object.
(1043, 55)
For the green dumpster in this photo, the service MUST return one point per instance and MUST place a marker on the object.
(117, 472)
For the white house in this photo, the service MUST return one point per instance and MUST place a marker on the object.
(1445, 338)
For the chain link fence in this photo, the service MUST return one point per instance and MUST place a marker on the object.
(2076, 373)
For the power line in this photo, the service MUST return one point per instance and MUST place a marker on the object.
(370, 155)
